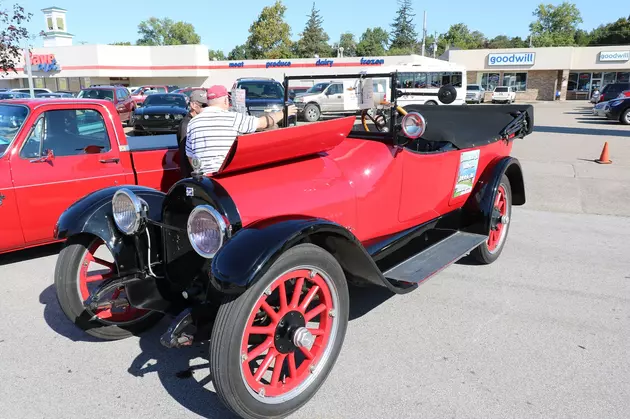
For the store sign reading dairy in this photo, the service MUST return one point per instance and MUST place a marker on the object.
(614, 56)
(516, 58)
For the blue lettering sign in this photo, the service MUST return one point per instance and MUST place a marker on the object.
(321, 62)
(240, 64)
(47, 67)
(372, 61)
(278, 64)
(519, 58)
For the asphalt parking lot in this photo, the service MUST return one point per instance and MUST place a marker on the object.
(543, 332)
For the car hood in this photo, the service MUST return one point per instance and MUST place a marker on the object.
(159, 109)
(265, 102)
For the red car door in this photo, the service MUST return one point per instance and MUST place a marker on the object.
(11, 236)
(121, 105)
(70, 152)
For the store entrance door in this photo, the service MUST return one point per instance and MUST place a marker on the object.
(596, 83)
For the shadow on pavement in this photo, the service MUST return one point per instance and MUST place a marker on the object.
(583, 131)
(28, 254)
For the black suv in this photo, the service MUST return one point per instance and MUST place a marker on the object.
(262, 95)
(612, 90)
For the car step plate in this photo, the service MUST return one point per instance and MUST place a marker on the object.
(432, 260)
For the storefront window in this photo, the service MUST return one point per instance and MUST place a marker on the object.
(489, 81)
(516, 80)
(62, 83)
(38, 82)
(623, 77)
(573, 82)
(584, 82)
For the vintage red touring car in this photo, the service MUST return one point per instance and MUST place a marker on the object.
(264, 249)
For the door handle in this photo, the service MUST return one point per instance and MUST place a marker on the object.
(1, 199)
(114, 160)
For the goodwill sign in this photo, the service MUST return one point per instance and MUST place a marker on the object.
(614, 56)
(516, 58)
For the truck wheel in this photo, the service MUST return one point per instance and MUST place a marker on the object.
(273, 346)
(625, 117)
(312, 112)
(431, 102)
(490, 250)
(78, 272)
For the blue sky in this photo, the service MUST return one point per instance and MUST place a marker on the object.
(223, 25)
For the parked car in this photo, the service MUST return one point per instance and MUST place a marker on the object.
(55, 151)
(171, 88)
(36, 90)
(73, 94)
(140, 94)
(612, 90)
(328, 97)
(296, 91)
(13, 95)
(505, 94)
(475, 93)
(261, 252)
(187, 91)
(54, 95)
(619, 110)
(118, 95)
(160, 113)
(262, 95)
(601, 109)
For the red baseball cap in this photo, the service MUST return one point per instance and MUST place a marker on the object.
(216, 92)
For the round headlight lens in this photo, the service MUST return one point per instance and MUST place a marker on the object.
(127, 209)
(413, 125)
(206, 230)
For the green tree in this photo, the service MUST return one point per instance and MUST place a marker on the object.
(270, 35)
(313, 40)
(239, 52)
(460, 36)
(502, 41)
(403, 35)
(615, 33)
(166, 31)
(555, 25)
(435, 40)
(373, 42)
(582, 38)
(348, 43)
(13, 35)
(216, 54)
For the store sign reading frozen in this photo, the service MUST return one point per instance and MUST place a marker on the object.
(614, 56)
(517, 58)
(44, 62)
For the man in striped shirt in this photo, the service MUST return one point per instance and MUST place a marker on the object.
(212, 132)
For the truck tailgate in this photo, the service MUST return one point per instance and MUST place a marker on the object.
(155, 160)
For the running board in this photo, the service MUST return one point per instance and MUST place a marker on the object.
(435, 258)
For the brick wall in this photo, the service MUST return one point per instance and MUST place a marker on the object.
(540, 85)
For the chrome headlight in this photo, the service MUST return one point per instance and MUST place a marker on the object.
(207, 230)
(128, 210)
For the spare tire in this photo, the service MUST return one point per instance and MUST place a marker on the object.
(447, 94)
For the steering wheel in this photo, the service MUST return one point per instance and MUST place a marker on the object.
(446, 95)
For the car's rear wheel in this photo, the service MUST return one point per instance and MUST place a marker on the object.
(312, 113)
(430, 102)
(490, 250)
(625, 117)
(273, 346)
(83, 264)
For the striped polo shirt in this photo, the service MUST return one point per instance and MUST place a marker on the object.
(211, 133)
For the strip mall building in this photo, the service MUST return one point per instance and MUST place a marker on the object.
(536, 73)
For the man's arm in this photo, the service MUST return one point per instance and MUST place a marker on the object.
(272, 118)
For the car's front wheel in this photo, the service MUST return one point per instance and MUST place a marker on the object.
(132, 118)
(273, 346)
(490, 250)
(312, 113)
(83, 264)
(625, 117)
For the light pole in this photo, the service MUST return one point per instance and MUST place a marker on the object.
(29, 71)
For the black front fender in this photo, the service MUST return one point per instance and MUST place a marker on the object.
(92, 214)
(478, 208)
(249, 253)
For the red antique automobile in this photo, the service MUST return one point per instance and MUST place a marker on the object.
(263, 250)
(55, 151)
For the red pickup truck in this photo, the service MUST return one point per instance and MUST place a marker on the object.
(53, 152)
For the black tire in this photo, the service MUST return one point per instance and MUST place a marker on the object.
(132, 118)
(234, 317)
(482, 253)
(70, 259)
(312, 113)
(430, 102)
(494, 101)
(625, 117)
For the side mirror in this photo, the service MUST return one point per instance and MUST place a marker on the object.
(399, 93)
(447, 94)
(413, 125)
(50, 156)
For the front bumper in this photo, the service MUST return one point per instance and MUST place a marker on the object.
(157, 125)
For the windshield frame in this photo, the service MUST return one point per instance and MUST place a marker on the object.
(19, 131)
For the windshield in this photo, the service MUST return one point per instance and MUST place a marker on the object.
(501, 89)
(473, 87)
(165, 100)
(262, 90)
(11, 120)
(318, 88)
(97, 94)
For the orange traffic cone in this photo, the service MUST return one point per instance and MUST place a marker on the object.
(604, 159)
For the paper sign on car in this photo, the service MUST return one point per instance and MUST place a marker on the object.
(358, 94)
(238, 100)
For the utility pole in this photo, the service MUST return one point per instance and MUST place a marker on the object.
(435, 44)
(424, 33)
(29, 70)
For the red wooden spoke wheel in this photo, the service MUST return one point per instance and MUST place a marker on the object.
(500, 220)
(296, 334)
(115, 307)
(273, 346)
